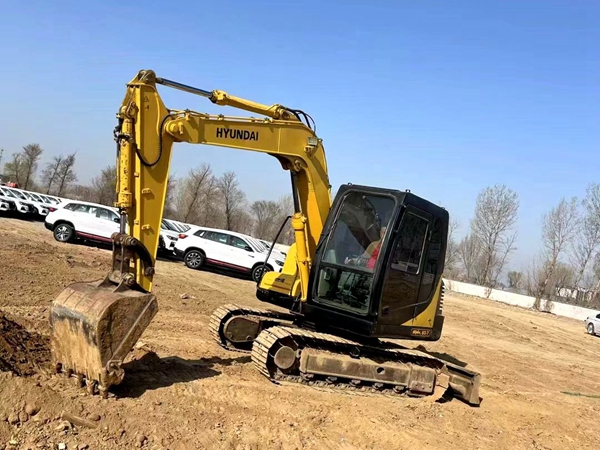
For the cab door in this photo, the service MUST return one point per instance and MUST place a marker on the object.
(401, 298)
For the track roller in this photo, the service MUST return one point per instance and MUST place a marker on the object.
(283, 353)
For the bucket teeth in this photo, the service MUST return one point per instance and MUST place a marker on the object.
(94, 326)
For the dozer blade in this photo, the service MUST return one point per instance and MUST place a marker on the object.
(94, 327)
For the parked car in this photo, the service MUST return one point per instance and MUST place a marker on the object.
(40, 208)
(83, 220)
(236, 252)
(167, 239)
(21, 206)
(592, 324)
(268, 245)
(93, 222)
(6, 205)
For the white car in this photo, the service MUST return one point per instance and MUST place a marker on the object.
(237, 252)
(5, 205)
(168, 237)
(93, 222)
(83, 220)
(592, 324)
(21, 205)
(41, 208)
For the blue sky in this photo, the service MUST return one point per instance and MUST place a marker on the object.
(443, 98)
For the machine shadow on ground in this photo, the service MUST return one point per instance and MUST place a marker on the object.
(152, 372)
(444, 356)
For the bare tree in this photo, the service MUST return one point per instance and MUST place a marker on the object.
(170, 210)
(515, 279)
(264, 212)
(469, 255)
(558, 231)
(104, 186)
(233, 199)
(86, 193)
(30, 158)
(286, 206)
(452, 253)
(588, 238)
(563, 277)
(66, 174)
(14, 169)
(195, 196)
(496, 211)
(50, 172)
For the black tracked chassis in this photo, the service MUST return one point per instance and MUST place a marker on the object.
(251, 321)
(282, 351)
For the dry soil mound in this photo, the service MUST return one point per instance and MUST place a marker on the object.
(21, 352)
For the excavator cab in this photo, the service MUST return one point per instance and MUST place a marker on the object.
(378, 267)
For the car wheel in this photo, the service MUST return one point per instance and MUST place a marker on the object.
(194, 259)
(591, 328)
(63, 232)
(258, 272)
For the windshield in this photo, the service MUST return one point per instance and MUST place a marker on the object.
(258, 245)
(180, 227)
(19, 195)
(352, 250)
(8, 193)
(167, 226)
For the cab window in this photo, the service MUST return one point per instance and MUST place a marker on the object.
(411, 239)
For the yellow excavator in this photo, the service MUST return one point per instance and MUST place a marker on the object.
(364, 271)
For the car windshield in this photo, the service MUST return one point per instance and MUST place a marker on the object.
(19, 195)
(258, 245)
(8, 193)
(180, 227)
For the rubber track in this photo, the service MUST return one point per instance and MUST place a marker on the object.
(225, 312)
(268, 338)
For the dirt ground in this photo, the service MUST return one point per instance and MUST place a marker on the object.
(540, 389)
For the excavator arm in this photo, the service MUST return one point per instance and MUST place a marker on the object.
(95, 325)
(147, 131)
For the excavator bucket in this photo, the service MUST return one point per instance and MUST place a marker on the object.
(94, 327)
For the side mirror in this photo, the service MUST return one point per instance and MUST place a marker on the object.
(248, 248)
(116, 219)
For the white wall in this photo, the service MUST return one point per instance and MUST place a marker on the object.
(560, 309)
